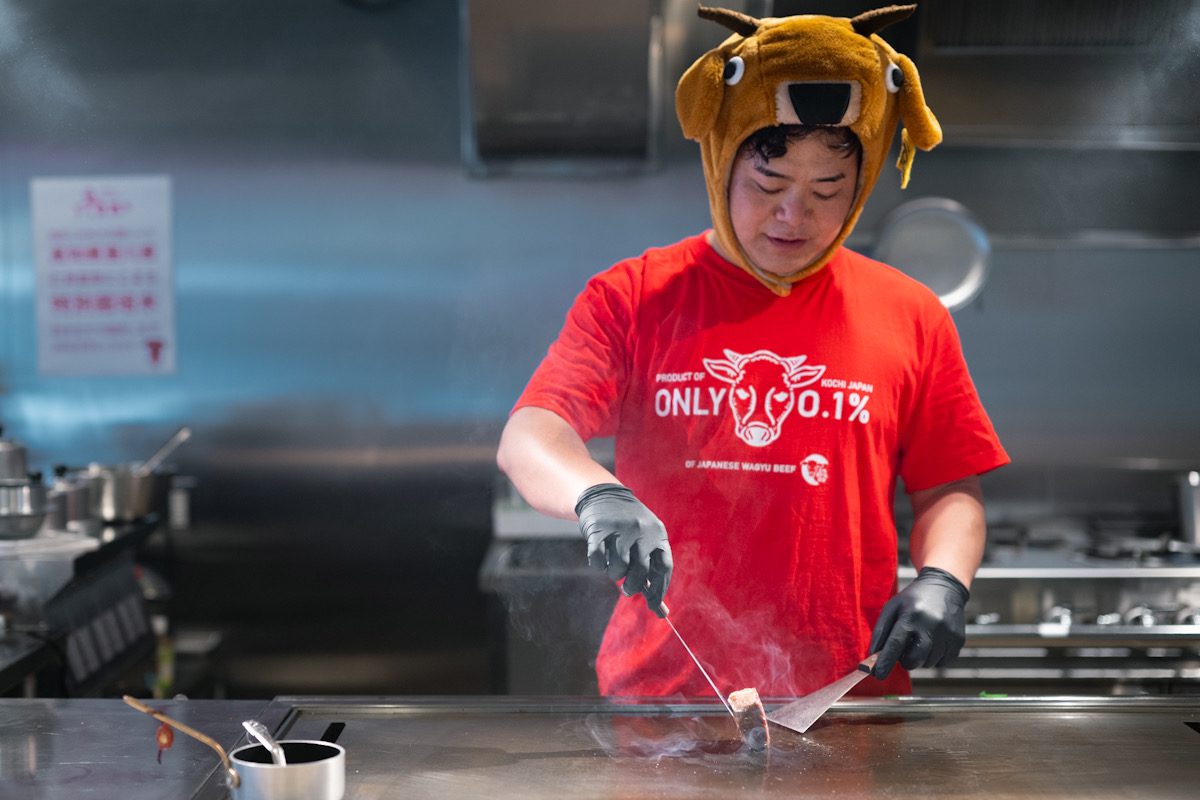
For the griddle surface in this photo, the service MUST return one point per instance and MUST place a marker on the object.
(502, 747)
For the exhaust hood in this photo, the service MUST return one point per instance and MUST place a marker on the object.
(568, 88)
(1085, 74)
(553, 86)
(1097, 74)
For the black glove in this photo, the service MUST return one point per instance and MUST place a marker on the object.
(923, 625)
(627, 541)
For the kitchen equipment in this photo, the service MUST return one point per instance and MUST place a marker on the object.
(720, 695)
(1143, 616)
(562, 748)
(315, 770)
(22, 506)
(35, 569)
(799, 715)
(56, 511)
(1189, 507)
(76, 506)
(13, 463)
(260, 732)
(133, 490)
(231, 776)
(938, 242)
(1188, 616)
(153, 462)
(126, 495)
(1060, 615)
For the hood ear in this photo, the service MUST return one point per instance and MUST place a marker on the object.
(922, 125)
(698, 95)
(874, 21)
(736, 21)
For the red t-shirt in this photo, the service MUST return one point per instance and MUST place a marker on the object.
(767, 433)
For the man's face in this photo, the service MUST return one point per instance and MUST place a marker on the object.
(787, 211)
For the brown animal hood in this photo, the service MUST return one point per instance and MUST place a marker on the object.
(813, 70)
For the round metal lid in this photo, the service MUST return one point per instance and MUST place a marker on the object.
(938, 242)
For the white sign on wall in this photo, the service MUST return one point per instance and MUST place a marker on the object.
(105, 290)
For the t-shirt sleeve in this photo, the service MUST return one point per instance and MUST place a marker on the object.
(584, 374)
(948, 435)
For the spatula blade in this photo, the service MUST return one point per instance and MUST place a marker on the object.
(799, 715)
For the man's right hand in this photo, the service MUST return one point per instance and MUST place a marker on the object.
(627, 541)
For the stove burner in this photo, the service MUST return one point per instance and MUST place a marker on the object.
(1188, 616)
(1141, 615)
(1161, 551)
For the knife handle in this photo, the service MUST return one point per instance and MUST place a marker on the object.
(868, 663)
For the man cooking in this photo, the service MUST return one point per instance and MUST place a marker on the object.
(766, 388)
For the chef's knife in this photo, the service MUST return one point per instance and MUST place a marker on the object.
(666, 611)
(799, 715)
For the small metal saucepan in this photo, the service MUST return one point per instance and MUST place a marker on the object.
(22, 507)
(314, 770)
(13, 464)
(131, 491)
(76, 497)
(124, 494)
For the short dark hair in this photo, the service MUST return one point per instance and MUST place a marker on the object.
(767, 143)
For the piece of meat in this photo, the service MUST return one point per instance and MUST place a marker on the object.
(751, 718)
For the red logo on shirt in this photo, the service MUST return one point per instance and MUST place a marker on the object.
(762, 390)
(815, 469)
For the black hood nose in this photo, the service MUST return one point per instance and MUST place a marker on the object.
(819, 103)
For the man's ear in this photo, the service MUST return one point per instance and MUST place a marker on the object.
(923, 128)
(698, 95)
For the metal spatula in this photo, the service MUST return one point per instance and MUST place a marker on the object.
(799, 715)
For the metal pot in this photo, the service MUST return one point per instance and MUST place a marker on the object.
(56, 510)
(22, 507)
(78, 494)
(1189, 506)
(13, 464)
(315, 770)
(126, 494)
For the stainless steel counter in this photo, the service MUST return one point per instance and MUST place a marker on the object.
(103, 749)
(524, 748)
(501, 747)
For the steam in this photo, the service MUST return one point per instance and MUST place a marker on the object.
(758, 649)
(769, 663)
(661, 736)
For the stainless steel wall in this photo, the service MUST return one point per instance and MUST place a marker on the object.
(356, 315)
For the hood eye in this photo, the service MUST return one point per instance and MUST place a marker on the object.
(735, 68)
(893, 78)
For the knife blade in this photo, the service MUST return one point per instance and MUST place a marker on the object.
(799, 715)
(666, 618)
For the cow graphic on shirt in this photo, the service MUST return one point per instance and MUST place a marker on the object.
(762, 390)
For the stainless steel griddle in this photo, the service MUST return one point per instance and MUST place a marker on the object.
(512, 747)
(914, 747)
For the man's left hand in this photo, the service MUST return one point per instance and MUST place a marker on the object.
(923, 625)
